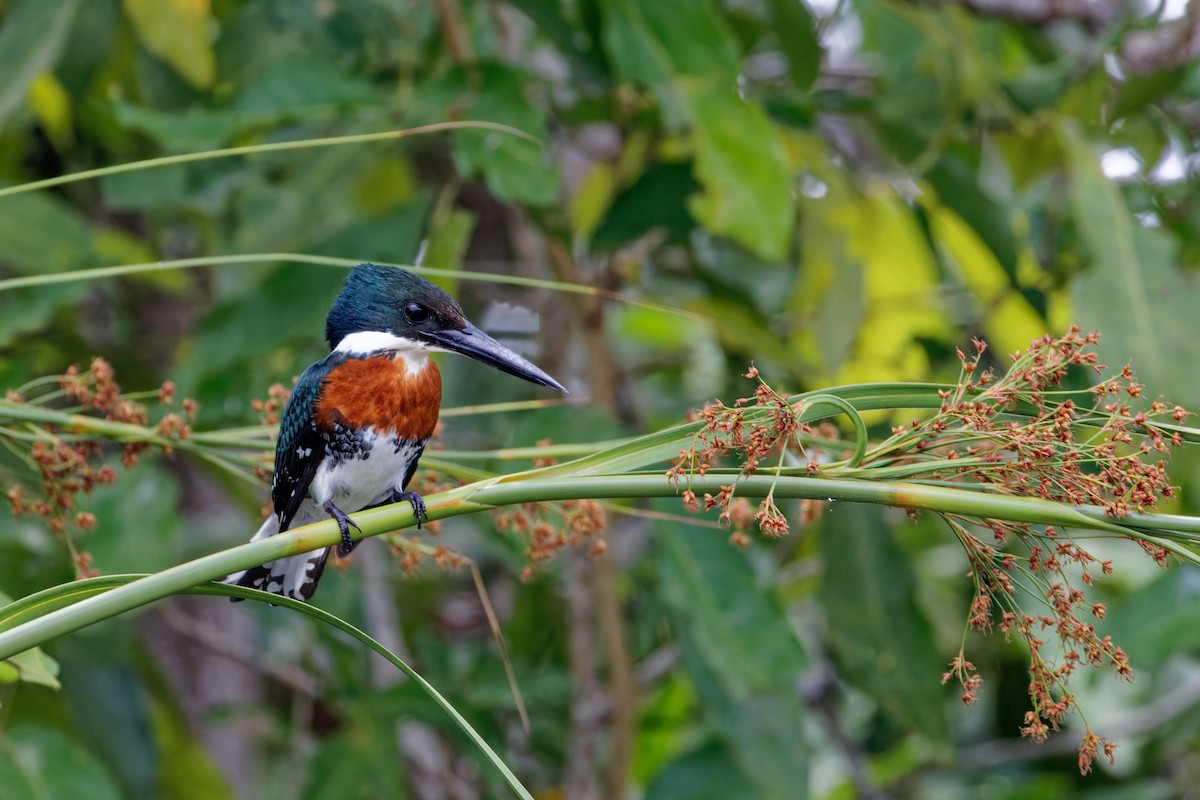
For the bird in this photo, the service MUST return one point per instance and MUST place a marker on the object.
(358, 420)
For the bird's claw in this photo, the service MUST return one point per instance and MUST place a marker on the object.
(417, 502)
(344, 524)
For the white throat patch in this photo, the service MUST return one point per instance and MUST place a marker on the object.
(363, 343)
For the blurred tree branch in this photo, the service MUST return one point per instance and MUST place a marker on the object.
(1168, 46)
(1095, 15)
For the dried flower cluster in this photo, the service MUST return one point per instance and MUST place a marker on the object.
(1019, 433)
(1104, 453)
(1118, 464)
(68, 458)
(764, 426)
(270, 410)
(549, 527)
(410, 550)
(270, 413)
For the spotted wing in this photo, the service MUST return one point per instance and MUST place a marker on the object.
(301, 447)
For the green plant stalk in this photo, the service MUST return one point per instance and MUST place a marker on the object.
(103, 428)
(91, 587)
(847, 408)
(127, 432)
(606, 456)
(31, 622)
(256, 149)
(100, 273)
(257, 437)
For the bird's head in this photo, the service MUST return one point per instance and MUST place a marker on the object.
(390, 309)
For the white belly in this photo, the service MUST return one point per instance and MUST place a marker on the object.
(365, 478)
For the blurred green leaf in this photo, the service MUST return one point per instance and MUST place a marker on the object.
(592, 199)
(146, 191)
(664, 730)
(299, 82)
(652, 42)
(37, 763)
(52, 107)
(192, 130)
(358, 764)
(637, 54)
(654, 201)
(1039, 86)
(733, 626)
(1000, 307)
(1133, 291)
(137, 528)
(41, 233)
(741, 654)
(958, 186)
(387, 183)
(874, 232)
(706, 773)
(1139, 90)
(32, 666)
(740, 164)
(287, 220)
(187, 771)
(31, 311)
(109, 703)
(1157, 622)
(828, 300)
(552, 22)
(448, 240)
(31, 39)
(796, 29)
(282, 310)
(515, 169)
(392, 237)
(875, 628)
(913, 66)
(180, 33)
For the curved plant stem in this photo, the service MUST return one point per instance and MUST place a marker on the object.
(270, 147)
(61, 596)
(101, 273)
(847, 408)
(31, 624)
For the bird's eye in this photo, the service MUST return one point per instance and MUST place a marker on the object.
(415, 312)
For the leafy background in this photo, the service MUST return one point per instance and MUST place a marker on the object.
(838, 191)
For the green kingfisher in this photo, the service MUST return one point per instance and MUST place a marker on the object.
(358, 420)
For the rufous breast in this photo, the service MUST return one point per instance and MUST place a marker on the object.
(382, 392)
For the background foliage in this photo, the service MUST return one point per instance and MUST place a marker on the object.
(839, 192)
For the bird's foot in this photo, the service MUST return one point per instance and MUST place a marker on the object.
(417, 503)
(344, 523)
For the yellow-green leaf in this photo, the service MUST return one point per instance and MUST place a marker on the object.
(31, 666)
(34, 666)
(870, 244)
(592, 199)
(1008, 319)
(389, 183)
(31, 38)
(180, 33)
(52, 106)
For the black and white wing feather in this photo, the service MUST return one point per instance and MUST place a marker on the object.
(301, 447)
(298, 454)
